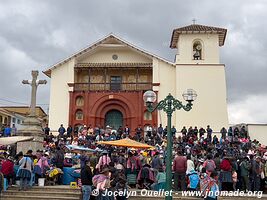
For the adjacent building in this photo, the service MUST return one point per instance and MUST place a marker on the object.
(9, 118)
(103, 84)
(10, 115)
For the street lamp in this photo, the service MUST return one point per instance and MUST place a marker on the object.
(169, 105)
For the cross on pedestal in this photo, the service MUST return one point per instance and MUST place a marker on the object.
(31, 125)
(34, 84)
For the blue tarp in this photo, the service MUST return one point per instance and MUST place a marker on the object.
(80, 148)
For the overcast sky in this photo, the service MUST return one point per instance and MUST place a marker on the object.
(36, 34)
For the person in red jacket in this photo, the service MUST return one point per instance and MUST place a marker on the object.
(226, 174)
(8, 169)
(179, 167)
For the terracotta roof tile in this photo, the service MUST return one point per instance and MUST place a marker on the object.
(114, 65)
(197, 28)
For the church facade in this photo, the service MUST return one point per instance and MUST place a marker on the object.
(104, 83)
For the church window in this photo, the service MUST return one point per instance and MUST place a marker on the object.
(115, 83)
(79, 101)
(147, 115)
(79, 115)
(197, 50)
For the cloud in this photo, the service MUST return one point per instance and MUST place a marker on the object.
(250, 110)
(37, 34)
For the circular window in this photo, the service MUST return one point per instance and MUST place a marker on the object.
(115, 57)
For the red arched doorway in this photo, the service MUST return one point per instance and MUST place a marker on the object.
(114, 119)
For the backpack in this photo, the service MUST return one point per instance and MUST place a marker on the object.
(204, 184)
(225, 165)
(98, 179)
(95, 180)
(193, 180)
(210, 166)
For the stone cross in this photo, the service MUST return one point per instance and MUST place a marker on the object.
(34, 83)
(194, 21)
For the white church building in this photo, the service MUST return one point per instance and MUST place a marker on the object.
(103, 84)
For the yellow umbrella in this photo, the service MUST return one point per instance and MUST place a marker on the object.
(127, 143)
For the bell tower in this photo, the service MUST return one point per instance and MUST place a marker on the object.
(197, 44)
(198, 67)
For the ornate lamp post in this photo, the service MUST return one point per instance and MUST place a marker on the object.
(169, 105)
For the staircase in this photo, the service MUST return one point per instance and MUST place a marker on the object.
(42, 193)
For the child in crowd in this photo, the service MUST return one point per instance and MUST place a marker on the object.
(234, 176)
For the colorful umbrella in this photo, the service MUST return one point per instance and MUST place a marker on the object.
(127, 143)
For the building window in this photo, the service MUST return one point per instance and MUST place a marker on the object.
(115, 83)
(79, 101)
(147, 116)
(79, 115)
(197, 50)
(18, 122)
(13, 120)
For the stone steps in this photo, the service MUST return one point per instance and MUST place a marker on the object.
(60, 188)
(19, 197)
(42, 193)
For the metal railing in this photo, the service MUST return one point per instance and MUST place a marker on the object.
(112, 86)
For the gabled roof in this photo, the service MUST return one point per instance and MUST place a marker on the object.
(6, 112)
(114, 39)
(22, 110)
(197, 28)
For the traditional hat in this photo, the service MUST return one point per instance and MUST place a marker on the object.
(119, 167)
(105, 152)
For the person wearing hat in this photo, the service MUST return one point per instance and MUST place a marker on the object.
(256, 172)
(94, 160)
(226, 174)
(41, 167)
(83, 158)
(179, 168)
(104, 161)
(156, 161)
(102, 183)
(244, 172)
(86, 179)
(61, 131)
(25, 170)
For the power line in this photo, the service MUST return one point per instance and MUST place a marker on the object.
(6, 100)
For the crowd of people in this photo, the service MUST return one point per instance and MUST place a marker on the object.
(202, 160)
(7, 131)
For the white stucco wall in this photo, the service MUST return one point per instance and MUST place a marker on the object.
(164, 74)
(210, 107)
(104, 55)
(258, 132)
(59, 95)
(210, 48)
